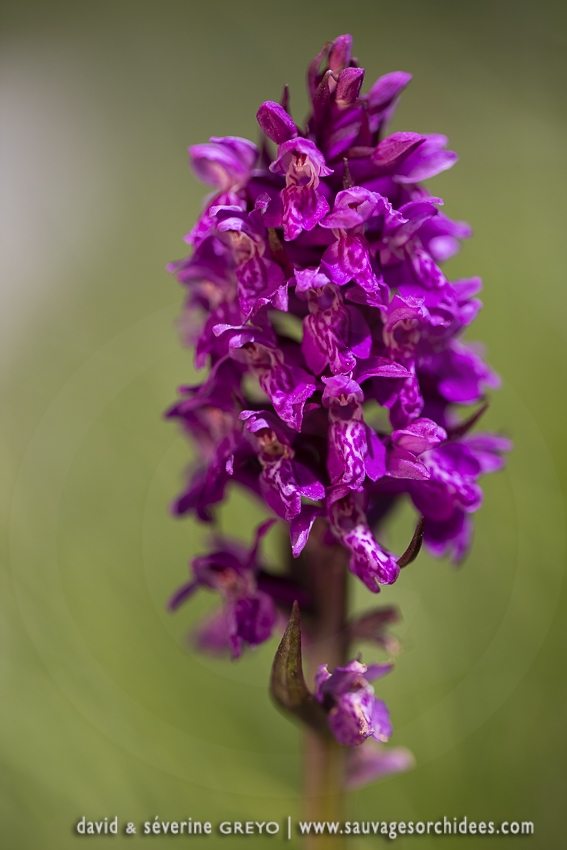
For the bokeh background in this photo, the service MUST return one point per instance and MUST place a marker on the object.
(103, 710)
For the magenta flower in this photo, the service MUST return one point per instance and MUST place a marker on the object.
(353, 711)
(249, 614)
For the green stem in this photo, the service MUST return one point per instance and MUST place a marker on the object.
(324, 763)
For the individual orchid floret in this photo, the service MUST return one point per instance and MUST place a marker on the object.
(249, 614)
(353, 712)
(440, 236)
(287, 386)
(453, 470)
(347, 113)
(334, 56)
(368, 561)
(347, 432)
(373, 626)
(302, 164)
(402, 255)
(408, 444)
(404, 319)
(207, 274)
(334, 334)
(347, 91)
(348, 258)
(226, 164)
(260, 279)
(449, 311)
(458, 371)
(403, 322)
(284, 480)
(355, 450)
(209, 411)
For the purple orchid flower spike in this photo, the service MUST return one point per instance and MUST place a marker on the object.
(335, 372)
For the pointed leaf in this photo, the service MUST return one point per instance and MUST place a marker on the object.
(287, 684)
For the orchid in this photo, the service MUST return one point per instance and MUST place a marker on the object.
(329, 225)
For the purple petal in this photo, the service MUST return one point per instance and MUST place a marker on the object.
(303, 208)
(404, 464)
(355, 206)
(373, 761)
(224, 162)
(339, 56)
(430, 159)
(348, 86)
(380, 367)
(386, 88)
(255, 617)
(450, 537)
(302, 153)
(181, 595)
(421, 435)
(300, 526)
(347, 445)
(395, 148)
(378, 671)
(214, 634)
(276, 123)
(368, 560)
(310, 278)
(487, 450)
(349, 722)
(340, 385)
(375, 462)
(381, 721)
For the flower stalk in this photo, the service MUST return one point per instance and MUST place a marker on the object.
(324, 758)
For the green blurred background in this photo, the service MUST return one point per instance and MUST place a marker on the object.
(103, 711)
